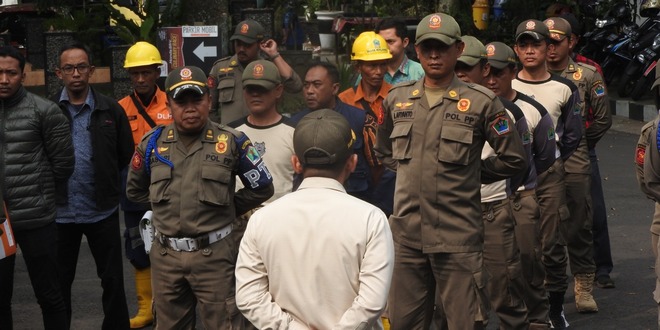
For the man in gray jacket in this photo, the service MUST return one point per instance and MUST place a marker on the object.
(36, 157)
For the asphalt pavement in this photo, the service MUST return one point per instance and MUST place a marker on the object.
(628, 306)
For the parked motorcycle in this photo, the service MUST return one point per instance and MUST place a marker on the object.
(643, 49)
(647, 60)
(616, 22)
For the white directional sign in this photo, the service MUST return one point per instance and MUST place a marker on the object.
(190, 45)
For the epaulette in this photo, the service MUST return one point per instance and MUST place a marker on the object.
(150, 132)
(650, 125)
(228, 129)
(222, 59)
(482, 90)
(587, 66)
(403, 84)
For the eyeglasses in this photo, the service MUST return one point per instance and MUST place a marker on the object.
(82, 68)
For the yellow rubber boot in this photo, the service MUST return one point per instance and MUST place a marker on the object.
(144, 316)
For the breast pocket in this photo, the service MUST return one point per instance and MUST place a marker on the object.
(161, 176)
(216, 181)
(134, 125)
(400, 137)
(226, 90)
(455, 145)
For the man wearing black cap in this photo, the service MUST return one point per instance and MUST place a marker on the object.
(502, 62)
(647, 163)
(433, 133)
(560, 97)
(338, 249)
(593, 95)
(187, 171)
(227, 103)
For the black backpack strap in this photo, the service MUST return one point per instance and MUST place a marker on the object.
(142, 112)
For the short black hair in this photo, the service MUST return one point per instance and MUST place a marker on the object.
(11, 51)
(392, 22)
(332, 70)
(75, 45)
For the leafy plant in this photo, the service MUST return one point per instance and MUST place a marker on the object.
(152, 16)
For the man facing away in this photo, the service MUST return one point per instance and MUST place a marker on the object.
(103, 145)
(37, 160)
(339, 249)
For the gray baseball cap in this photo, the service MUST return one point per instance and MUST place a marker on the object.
(323, 137)
(473, 52)
(500, 55)
(438, 26)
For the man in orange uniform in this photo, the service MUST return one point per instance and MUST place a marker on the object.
(371, 57)
(145, 108)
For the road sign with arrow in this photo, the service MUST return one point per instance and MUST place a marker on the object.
(189, 45)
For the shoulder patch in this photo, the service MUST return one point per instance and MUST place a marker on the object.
(137, 162)
(640, 153)
(502, 126)
(598, 88)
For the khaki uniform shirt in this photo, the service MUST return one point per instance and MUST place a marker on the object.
(226, 84)
(593, 94)
(192, 191)
(436, 152)
(647, 166)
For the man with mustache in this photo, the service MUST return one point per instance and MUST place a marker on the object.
(187, 170)
(225, 78)
(370, 57)
(145, 107)
(320, 91)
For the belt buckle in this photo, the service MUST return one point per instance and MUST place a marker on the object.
(185, 244)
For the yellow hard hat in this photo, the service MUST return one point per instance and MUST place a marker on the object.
(141, 54)
(369, 46)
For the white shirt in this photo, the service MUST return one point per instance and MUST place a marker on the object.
(316, 258)
(275, 146)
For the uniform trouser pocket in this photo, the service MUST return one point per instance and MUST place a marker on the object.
(479, 280)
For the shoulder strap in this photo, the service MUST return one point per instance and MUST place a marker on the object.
(142, 112)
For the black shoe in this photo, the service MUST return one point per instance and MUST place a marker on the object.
(605, 282)
(558, 321)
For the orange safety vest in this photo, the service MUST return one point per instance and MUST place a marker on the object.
(157, 110)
